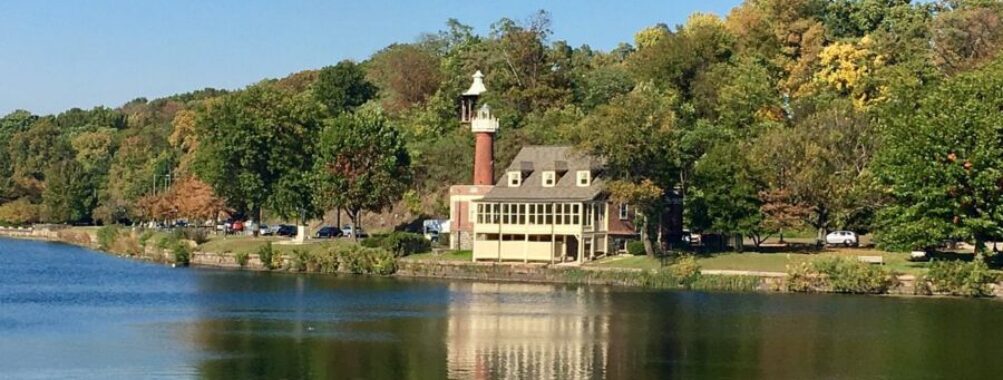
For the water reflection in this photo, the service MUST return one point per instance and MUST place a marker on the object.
(321, 328)
(69, 313)
(527, 331)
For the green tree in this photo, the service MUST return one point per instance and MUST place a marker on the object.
(634, 134)
(941, 165)
(255, 147)
(724, 195)
(362, 165)
(343, 87)
(69, 193)
(11, 124)
(32, 152)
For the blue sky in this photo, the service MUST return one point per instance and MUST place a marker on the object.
(58, 54)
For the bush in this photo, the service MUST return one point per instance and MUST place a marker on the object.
(107, 236)
(405, 243)
(300, 260)
(685, 270)
(266, 254)
(364, 260)
(145, 237)
(958, 278)
(636, 248)
(182, 253)
(198, 235)
(20, 212)
(372, 242)
(839, 275)
(242, 258)
(126, 244)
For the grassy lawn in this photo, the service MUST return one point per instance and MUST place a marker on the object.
(250, 244)
(443, 256)
(767, 262)
(628, 261)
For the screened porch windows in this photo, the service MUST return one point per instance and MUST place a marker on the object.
(534, 213)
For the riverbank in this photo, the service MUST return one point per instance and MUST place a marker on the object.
(687, 275)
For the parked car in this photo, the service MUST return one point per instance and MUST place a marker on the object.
(432, 236)
(328, 232)
(349, 232)
(286, 230)
(844, 238)
(690, 238)
(264, 230)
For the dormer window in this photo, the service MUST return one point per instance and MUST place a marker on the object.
(514, 179)
(584, 178)
(549, 179)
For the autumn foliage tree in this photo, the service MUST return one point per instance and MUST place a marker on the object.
(361, 165)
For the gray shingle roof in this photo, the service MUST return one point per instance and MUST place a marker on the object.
(532, 161)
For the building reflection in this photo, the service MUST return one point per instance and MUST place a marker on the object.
(503, 331)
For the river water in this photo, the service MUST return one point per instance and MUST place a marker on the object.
(67, 312)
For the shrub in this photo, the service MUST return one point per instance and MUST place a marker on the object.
(198, 235)
(182, 253)
(107, 236)
(839, 275)
(364, 260)
(126, 244)
(242, 258)
(636, 247)
(372, 242)
(405, 243)
(802, 277)
(145, 237)
(20, 212)
(266, 254)
(685, 270)
(300, 260)
(166, 242)
(958, 278)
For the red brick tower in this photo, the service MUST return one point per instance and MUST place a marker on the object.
(484, 127)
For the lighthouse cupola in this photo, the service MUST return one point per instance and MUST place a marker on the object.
(468, 101)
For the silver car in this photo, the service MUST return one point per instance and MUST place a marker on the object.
(844, 238)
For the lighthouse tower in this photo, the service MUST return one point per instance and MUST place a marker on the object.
(484, 126)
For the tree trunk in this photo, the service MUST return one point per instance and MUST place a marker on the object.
(649, 250)
(257, 221)
(353, 216)
(739, 243)
(980, 248)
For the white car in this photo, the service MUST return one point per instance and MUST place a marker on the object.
(349, 232)
(844, 238)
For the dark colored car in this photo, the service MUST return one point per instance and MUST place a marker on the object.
(328, 232)
(286, 230)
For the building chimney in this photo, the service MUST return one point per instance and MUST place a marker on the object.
(468, 101)
(484, 127)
